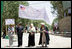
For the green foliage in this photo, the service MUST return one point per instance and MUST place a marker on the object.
(1, 7)
(10, 10)
(1, 13)
(55, 20)
(58, 6)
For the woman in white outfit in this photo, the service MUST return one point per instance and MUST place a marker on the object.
(31, 41)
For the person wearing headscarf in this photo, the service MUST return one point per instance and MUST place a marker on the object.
(31, 38)
(26, 28)
(44, 35)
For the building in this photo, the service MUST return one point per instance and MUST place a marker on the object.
(67, 8)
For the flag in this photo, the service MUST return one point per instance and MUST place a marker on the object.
(22, 7)
(29, 12)
(46, 18)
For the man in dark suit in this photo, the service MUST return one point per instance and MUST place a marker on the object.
(19, 30)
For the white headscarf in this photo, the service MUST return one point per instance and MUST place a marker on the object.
(32, 25)
(33, 28)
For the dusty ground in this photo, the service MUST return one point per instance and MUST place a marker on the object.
(55, 42)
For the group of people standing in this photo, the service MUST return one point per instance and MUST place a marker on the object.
(44, 35)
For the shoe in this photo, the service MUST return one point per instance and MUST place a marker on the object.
(10, 45)
(42, 46)
(28, 46)
(45, 46)
(18, 45)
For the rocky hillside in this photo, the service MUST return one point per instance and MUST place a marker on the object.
(65, 24)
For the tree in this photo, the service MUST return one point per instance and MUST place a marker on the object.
(57, 6)
(54, 21)
(61, 7)
(10, 10)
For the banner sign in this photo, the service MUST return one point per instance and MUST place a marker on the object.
(9, 21)
(29, 12)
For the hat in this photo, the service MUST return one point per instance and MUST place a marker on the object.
(42, 23)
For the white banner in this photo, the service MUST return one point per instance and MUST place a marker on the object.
(31, 13)
(9, 21)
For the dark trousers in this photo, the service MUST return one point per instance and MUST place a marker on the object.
(4, 34)
(31, 41)
(20, 39)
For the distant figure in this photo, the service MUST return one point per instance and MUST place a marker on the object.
(10, 34)
(44, 35)
(31, 38)
(26, 28)
(54, 29)
(19, 30)
(4, 33)
(36, 29)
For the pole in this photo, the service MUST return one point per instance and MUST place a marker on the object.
(6, 29)
(1, 13)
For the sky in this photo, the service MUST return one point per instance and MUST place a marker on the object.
(44, 4)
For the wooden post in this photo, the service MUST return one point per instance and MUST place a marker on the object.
(6, 30)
